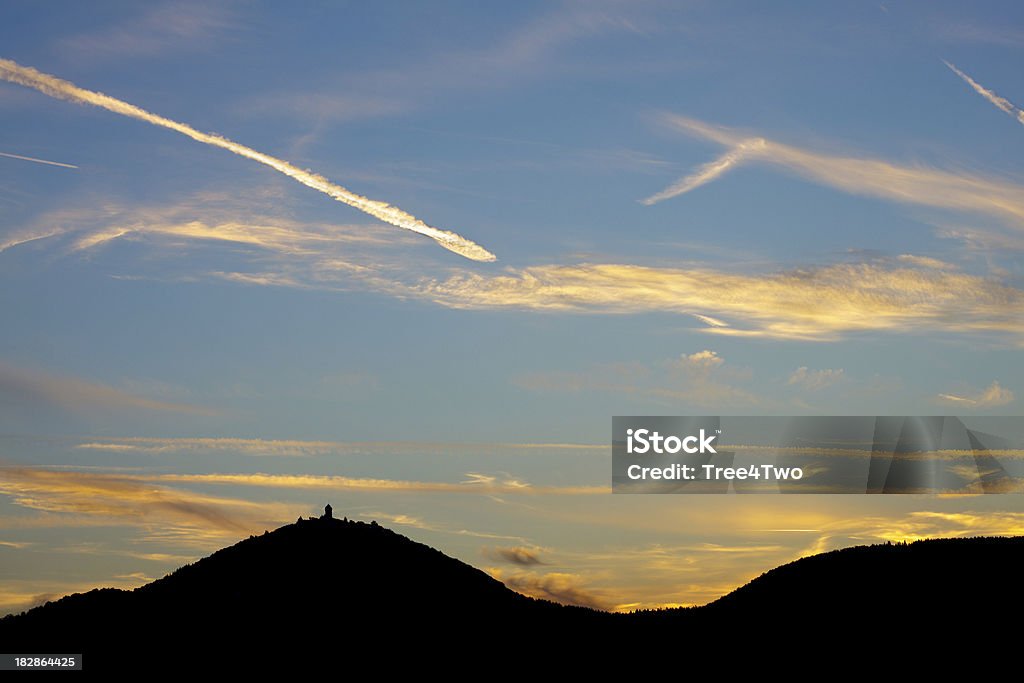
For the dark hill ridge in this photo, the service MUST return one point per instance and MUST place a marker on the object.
(921, 584)
(313, 582)
(970, 576)
(371, 566)
(319, 583)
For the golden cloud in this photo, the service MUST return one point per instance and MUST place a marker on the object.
(476, 483)
(568, 589)
(809, 303)
(127, 498)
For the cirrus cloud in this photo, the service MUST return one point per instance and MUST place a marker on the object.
(993, 395)
(514, 555)
(812, 303)
(904, 183)
(815, 379)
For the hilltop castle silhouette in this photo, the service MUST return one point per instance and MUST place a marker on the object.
(327, 516)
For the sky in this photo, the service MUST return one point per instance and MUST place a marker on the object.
(411, 258)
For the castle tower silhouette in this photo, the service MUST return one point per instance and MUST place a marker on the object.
(328, 512)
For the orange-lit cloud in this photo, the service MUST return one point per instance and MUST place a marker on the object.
(476, 483)
(809, 303)
(653, 550)
(923, 524)
(749, 538)
(906, 293)
(925, 262)
(519, 555)
(568, 589)
(19, 595)
(117, 496)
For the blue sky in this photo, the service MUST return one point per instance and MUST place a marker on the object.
(861, 254)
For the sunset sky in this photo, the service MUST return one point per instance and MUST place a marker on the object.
(694, 208)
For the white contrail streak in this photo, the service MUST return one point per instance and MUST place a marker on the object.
(1001, 102)
(38, 161)
(709, 171)
(910, 184)
(64, 90)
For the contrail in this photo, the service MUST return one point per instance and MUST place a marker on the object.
(912, 184)
(64, 90)
(1001, 102)
(709, 171)
(38, 161)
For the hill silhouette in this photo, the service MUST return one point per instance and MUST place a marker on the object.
(322, 584)
(911, 586)
(311, 584)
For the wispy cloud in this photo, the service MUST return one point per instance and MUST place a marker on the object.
(814, 380)
(38, 161)
(563, 587)
(23, 386)
(18, 595)
(1000, 102)
(962, 31)
(700, 378)
(162, 28)
(475, 484)
(925, 262)
(979, 240)
(254, 447)
(709, 171)
(902, 294)
(993, 395)
(701, 361)
(297, 448)
(321, 108)
(917, 525)
(912, 184)
(53, 224)
(810, 303)
(283, 236)
(119, 497)
(288, 252)
(516, 55)
(524, 51)
(415, 522)
(518, 555)
(64, 90)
